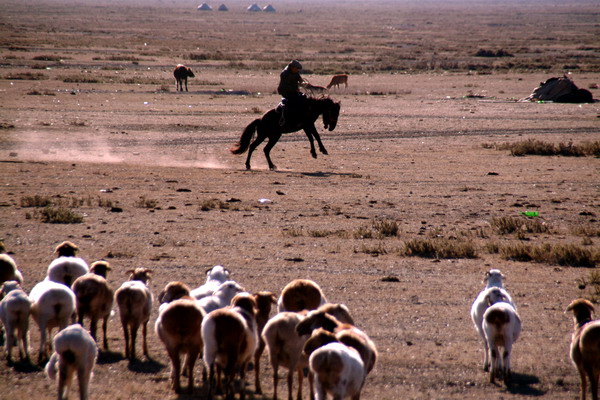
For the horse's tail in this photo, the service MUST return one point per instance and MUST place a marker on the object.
(244, 142)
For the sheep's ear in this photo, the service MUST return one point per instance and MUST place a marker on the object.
(208, 270)
(130, 271)
(161, 296)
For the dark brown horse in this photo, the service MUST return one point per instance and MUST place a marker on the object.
(181, 73)
(268, 127)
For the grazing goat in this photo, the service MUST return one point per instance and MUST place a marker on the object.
(221, 297)
(300, 294)
(66, 268)
(264, 302)
(8, 270)
(214, 278)
(493, 279)
(94, 298)
(338, 369)
(230, 340)
(502, 326)
(53, 305)
(181, 73)
(178, 327)
(75, 350)
(337, 80)
(585, 345)
(345, 333)
(14, 314)
(135, 303)
(285, 349)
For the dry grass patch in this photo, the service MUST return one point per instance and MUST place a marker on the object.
(56, 215)
(561, 254)
(144, 202)
(439, 248)
(541, 148)
(212, 204)
(508, 225)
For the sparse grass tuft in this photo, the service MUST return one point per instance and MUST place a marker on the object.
(541, 148)
(375, 250)
(35, 201)
(439, 248)
(60, 215)
(143, 202)
(386, 228)
(212, 204)
(508, 225)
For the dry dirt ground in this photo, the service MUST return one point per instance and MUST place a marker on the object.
(91, 122)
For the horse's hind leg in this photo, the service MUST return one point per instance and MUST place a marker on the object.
(272, 141)
(260, 137)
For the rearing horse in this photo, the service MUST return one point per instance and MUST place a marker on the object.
(268, 127)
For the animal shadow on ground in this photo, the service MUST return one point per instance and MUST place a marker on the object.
(147, 366)
(25, 366)
(109, 357)
(521, 384)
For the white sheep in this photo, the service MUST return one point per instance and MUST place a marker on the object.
(67, 267)
(75, 351)
(300, 294)
(214, 278)
(94, 298)
(9, 270)
(346, 333)
(14, 314)
(135, 304)
(221, 297)
(230, 340)
(285, 349)
(338, 369)
(502, 326)
(53, 306)
(585, 345)
(493, 279)
(178, 327)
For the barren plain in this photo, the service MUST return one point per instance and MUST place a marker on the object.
(418, 197)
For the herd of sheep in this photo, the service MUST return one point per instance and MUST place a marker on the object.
(229, 329)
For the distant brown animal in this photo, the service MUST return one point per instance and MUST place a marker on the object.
(337, 80)
(585, 345)
(181, 74)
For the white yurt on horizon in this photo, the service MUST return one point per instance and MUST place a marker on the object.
(269, 8)
(204, 7)
(254, 7)
(223, 7)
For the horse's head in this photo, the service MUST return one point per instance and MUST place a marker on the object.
(330, 114)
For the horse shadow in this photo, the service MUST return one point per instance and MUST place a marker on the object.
(146, 366)
(109, 357)
(522, 384)
(322, 174)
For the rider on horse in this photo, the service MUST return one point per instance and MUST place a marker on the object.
(294, 102)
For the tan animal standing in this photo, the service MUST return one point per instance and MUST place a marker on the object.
(585, 345)
(338, 80)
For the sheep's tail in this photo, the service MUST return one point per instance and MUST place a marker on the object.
(51, 366)
(241, 146)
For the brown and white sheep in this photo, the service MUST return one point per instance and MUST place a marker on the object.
(53, 306)
(285, 349)
(67, 267)
(502, 327)
(94, 298)
(179, 328)
(264, 302)
(14, 314)
(230, 340)
(338, 369)
(9, 270)
(300, 294)
(75, 351)
(135, 304)
(215, 276)
(585, 345)
(345, 333)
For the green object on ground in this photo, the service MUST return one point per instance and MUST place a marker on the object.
(530, 213)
